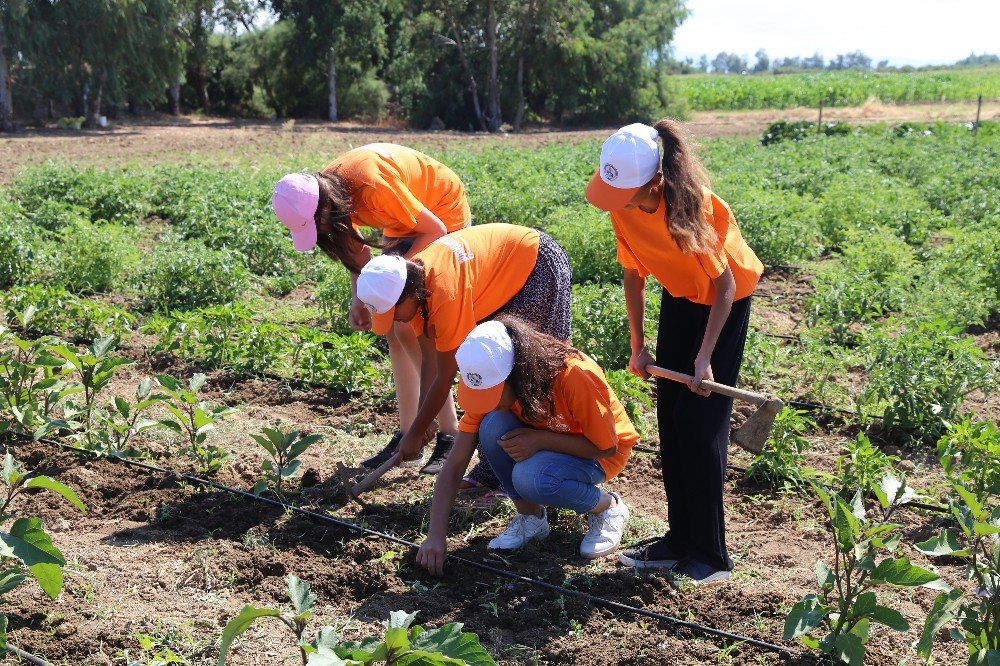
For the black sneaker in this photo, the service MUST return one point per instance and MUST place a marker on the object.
(441, 449)
(692, 573)
(650, 554)
(387, 452)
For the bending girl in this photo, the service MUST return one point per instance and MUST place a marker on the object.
(460, 280)
(552, 429)
(414, 200)
(668, 224)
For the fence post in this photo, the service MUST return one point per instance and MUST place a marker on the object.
(979, 107)
(819, 123)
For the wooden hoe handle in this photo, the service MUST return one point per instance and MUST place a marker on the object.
(732, 392)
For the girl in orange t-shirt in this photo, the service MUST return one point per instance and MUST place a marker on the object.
(552, 429)
(444, 291)
(668, 224)
(413, 199)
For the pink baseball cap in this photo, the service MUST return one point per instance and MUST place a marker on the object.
(295, 199)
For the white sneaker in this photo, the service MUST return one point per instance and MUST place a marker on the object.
(520, 531)
(605, 531)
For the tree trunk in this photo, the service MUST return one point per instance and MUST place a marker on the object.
(174, 95)
(332, 78)
(6, 98)
(519, 86)
(206, 103)
(94, 109)
(473, 88)
(493, 82)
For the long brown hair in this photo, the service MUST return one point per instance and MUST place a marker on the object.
(416, 287)
(335, 209)
(538, 360)
(684, 180)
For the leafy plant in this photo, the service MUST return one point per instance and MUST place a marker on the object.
(847, 603)
(184, 276)
(403, 642)
(16, 254)
(633, 393)
(781, 464)
(120, 420)
(21, 363)
(600, 325)
(88, 257)
(95, 369)
(970, 455)
(26, 550)
(921, 373)
(194, 419)
(862, 467)
(284, 451)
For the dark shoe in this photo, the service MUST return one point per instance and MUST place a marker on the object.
(692, 573)
(387, 452)
(441, 449)
(650, 554)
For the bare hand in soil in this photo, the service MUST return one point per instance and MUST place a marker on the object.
(432, 555)
(522, 443)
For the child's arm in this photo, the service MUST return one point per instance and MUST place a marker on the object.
(434, 550)
(523, 443)
(429, 228)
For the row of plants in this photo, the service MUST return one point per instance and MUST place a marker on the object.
(836, 88)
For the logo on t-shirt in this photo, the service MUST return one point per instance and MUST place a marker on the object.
(474, 379)
(463, 252)
(610, 172)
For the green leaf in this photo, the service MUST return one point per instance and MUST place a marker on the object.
(102, 346)
(865, 604)
(67, 354)
(239, 624)
(452, 643)
(941, 613)
(10, 579)
(401, 619)
(291, 468)
(266, 443)
(849, 649)
(845, 525)
(12, 470)
(901, 573)
(396, 640)
(824, 575)
(275, 436)
(984, 529)
(804, 617)
(298, 592)
(28, 542)
(945, 543)
(325, 656)
(197, 381)
(890, 618)
(971, 502)
(56, 487)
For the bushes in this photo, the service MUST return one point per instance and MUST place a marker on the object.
(782, 230)
(589, 240)
(600, 325)
(16, 253)
(184, 276)
(90, 258)
(115, 195)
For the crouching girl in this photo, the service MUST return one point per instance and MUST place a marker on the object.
(551, 428)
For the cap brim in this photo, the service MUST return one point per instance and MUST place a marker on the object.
(479, 401)
(382, 323)
(605, 197)
(305, 239)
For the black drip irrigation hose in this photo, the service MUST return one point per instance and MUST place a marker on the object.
(27, 656)
(597, 601)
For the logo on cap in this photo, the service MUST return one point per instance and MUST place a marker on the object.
(610, 172)
(474, 379)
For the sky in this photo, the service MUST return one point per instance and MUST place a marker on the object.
(914, 32)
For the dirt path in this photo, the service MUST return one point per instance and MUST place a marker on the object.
(221, 142)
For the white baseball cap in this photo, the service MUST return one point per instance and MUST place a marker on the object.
(295, 199)
(485, 360)
(629, 159)
(379, 286)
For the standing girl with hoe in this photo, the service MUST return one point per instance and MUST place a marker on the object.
(414, 200)
(668, 224)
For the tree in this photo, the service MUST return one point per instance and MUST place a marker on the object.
(763, 62)
(703, 63)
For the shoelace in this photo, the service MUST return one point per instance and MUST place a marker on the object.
(519, 526)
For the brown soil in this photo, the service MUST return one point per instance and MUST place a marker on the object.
(229, 142)
(168, 559)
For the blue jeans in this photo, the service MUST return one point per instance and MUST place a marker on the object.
(548, 478)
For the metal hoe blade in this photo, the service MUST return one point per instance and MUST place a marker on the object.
(753, 434)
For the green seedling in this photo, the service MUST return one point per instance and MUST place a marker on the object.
(847, 603)
(781, 463)
(31, 382)
(284, 451)
(121, 420)
(193, 420)
(26, 550)
(862, 467)
(403, 642)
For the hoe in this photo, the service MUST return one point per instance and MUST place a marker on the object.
(354, 490)
(753, 434)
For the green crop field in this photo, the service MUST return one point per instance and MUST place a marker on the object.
(144, 304)
(838, 88)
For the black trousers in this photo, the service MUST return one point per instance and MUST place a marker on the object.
(694, 430)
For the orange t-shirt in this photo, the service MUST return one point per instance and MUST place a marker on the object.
(645, 245)
(584, 404)
(390, 185)
(471, 274)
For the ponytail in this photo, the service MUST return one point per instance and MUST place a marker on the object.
(684, 183)
(334, 209)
